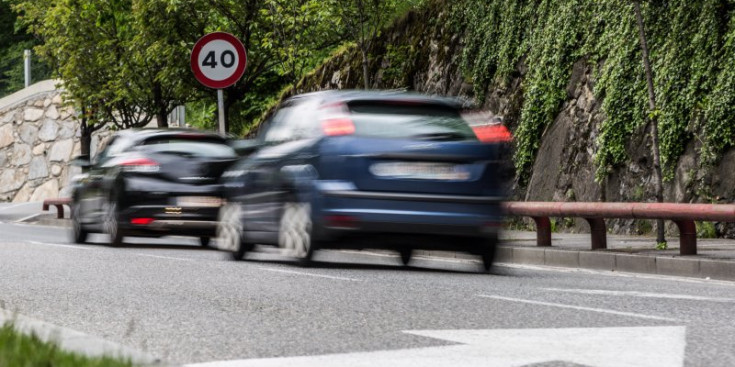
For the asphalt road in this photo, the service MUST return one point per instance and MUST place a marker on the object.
(189, 305)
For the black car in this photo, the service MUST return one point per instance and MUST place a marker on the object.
(355, 169)
(152, 183)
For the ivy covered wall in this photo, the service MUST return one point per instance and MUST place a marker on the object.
(692, 46)
(569, 73)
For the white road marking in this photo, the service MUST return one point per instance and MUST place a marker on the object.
(600, 347)
(60, 245)
(165, 257)
(421, 257)
(28, 217)
(580, 308)
(670, 278)
(641, 294)
(307, 274)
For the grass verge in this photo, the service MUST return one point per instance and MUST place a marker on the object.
(17, 349)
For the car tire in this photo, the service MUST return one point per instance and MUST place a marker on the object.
(204, 241)
(295, 231)
(487, 254)
(230, 232)
(78, 233)
(405, 255)
(111, 224)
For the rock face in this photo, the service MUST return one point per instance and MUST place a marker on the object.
(38, 138)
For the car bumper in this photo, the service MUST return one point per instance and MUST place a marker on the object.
(155, 220)
(423, 220)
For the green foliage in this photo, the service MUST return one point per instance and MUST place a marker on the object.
(662, 246)
(706, 230)
(202, 115)
(21, 350)
(692, 47)
(13, 40)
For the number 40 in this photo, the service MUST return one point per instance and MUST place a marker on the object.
(227, 59)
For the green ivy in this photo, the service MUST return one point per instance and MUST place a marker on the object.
(692, 47)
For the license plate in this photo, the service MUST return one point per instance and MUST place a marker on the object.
(199, 201)
(421, 171)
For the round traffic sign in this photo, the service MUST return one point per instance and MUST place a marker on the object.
(218, 60)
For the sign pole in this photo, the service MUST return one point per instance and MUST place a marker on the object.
(221, 110)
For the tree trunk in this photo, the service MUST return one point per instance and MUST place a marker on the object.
(161, 110)
(658, 179)
(85, 135)
(365, 76)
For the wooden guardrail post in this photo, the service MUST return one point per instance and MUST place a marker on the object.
(543, 231)
(598, 233)
(687, 237)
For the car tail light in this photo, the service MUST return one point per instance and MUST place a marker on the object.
(140, 165)
(142, 221)
(336, 120)
(497, 133)
(341, 222)
(337, 127)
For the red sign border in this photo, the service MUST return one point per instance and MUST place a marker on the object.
(242, 57)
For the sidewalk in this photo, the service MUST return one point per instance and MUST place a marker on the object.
(715, 258)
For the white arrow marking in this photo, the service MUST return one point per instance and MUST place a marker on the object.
(597, 347)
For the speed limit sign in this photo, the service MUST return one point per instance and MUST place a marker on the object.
(218, 60)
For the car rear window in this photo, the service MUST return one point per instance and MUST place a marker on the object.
(205, 148)
(409, 120)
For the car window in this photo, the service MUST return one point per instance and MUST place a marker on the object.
(396, 120)
(293, 122)
(108, 150)
(190, 148)
(277, 130)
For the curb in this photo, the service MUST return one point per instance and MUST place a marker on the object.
(75, 341)
(618, 262)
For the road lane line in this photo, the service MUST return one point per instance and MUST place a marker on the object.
(641, 294)
(28, 217)
(307, 274)
(581, 308)
(60, 245)
(165, 257)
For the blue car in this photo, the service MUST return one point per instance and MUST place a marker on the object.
(358, 170)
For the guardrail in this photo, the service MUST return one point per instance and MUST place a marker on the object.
(59, 204)
(683, 215)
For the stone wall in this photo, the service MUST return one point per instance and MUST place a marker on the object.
(39, 136)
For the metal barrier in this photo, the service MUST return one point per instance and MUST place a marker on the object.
(59, 204)
(684, 215)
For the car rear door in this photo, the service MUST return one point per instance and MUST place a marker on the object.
(288, 141)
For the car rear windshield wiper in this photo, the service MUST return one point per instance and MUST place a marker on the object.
(441, 136)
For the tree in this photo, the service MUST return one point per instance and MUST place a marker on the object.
(653, 118)
(363, 20)
(301, 33)
(13, 40)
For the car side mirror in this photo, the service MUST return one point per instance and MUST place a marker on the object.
(245, 147)
(81, 161)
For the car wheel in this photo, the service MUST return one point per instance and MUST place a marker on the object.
(112, 225)
(488, 253)
(405, 255)
(295, 231)
(79, 234)
(204, 241)
(230, 230)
